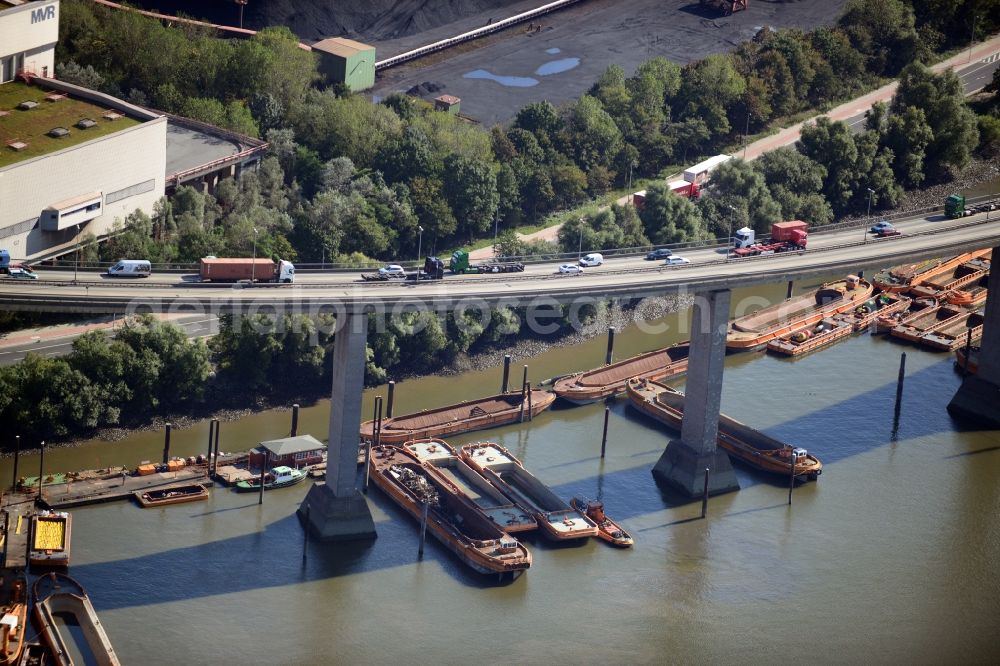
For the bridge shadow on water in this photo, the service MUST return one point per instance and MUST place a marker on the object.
(272, 557)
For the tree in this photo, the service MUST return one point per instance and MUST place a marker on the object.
(795, 182)
(832, 145)
(907, 135)
(471, 189)
(883, 30)
(737, 183)
(593, 135)
(668, 218)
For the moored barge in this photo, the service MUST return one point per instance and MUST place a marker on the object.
(930, 320)
(51, 535)
(607, 529)
(755, 330)
(955, 334)
(556, 519)
(963, 275)
(586, 387)
(194, 492)
(452, 519)
(887, 321)
(68, 622)
(906, 276)
(968, 362)
(491, 412)
(750, 446)
(882, 305)
(494, 505)
(811, 338)
(14, 612)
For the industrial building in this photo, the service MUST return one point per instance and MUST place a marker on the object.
(73, 160)
(346, 61)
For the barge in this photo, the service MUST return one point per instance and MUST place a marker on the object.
(586, 387)
(967, 361)
(970, 296)
(931, 320)
(755, 330)
(811, 338)
(51, 534)
(963, 275)
(556, 519)
(883, 305)
(14, 614)
(905, 277)
(955, 334)
(607, 529)
(750, 446)
(885, 322)
(494, 505)
(491, 412)
(68, 623)
(194, 492)
(452, 519)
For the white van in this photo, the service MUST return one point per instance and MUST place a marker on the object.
(130, 268)
(592, 259)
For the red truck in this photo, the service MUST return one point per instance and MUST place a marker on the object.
(785, 237)
(213, 269)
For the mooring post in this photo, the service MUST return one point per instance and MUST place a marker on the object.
(305, 537)
(604, 438)
(423, 527)
(899, 390)
(6, 530)
(260, 497)
(791, 477)
(391, 399)
(610, 355)
(377, 432)
(527, 388)
(965, 364)
(295, 420)
(41, 469)
(215, 458)
(166, 443)
(211, 433)
(788, 294)
(524, 383)
(704, 496)
(17, 455)
(506, 373)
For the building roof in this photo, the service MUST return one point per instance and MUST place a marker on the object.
(450, 100)
(341, 46)
(289, 445)
(30, 126)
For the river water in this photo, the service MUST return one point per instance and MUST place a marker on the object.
(893, 556)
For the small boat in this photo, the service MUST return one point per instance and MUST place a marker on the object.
(556, 519)
(451, 519)
(509, 516)
(279, 477)
(882, 305)
(194, 492)
(755, 330)
(931, 320)
(963, 275)
(491, 412)
(751, 446)
(13, 615)
(34, 654)
(586, 387)
(811, 338)
(969, 362)
(51, 533)
(68, 623)
(885, 322)
(956, 333)
(903, 278)
(607, 529)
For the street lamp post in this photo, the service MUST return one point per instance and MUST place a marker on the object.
(420, 241)
(868, 216)
(253, 264)
(496, 227)
(729, 242)
(76, 255)
(579, 247)
(746, 136)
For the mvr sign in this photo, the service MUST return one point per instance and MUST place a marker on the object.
(43, 14)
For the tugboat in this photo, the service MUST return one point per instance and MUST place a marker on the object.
(607, 529)
(278, 477)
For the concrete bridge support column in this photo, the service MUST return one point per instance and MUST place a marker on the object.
(336, 510)
(978, 399)
(682, 465)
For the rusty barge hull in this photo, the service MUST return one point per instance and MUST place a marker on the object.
(594, 385)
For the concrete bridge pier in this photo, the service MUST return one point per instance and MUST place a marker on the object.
(336, 510)
(682, 465)
(978, 399)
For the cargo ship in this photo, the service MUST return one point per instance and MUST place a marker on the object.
(755, 330)
(491, 412)
(965, 274)
(882, 305)
(494, 505)
(811, 338)
(51, 533)
(956, 333)
(451, 519)
(586, 387)
(885, 322)
(750, 446)
(556, 519)
(68, 623)
(903, 278)
(930, 320)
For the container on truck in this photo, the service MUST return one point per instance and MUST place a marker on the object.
(213, 269)
(460, 263)
(130, 268)
(785, 236)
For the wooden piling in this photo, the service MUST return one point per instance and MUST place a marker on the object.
(41, 469)
(211, 433)
(527, 388)
(423, 527)
(899, 390)
(17, 456)
(604, 438)
(166, 443)
(305, 536)
(390, 400)
(791, 285)
(377, 432)
(704, 496)
(215, 458)
(506, 373)
(791, 477)
(260, 497)
(965, 363)
(295, 420)
(610, 355)
(524, 382)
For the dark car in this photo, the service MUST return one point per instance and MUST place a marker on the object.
(661, 253)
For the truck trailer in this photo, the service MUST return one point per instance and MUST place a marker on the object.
(460, 264)
(785, 236)
(433, 270)
(213, 269)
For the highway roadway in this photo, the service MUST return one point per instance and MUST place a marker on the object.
(844, 251)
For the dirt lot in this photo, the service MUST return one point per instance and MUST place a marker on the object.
(579, 43)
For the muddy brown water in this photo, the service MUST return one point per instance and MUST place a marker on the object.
(893, 556)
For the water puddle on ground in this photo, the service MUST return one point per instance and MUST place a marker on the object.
(554, 50)
(509, 81)
(557, 66)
